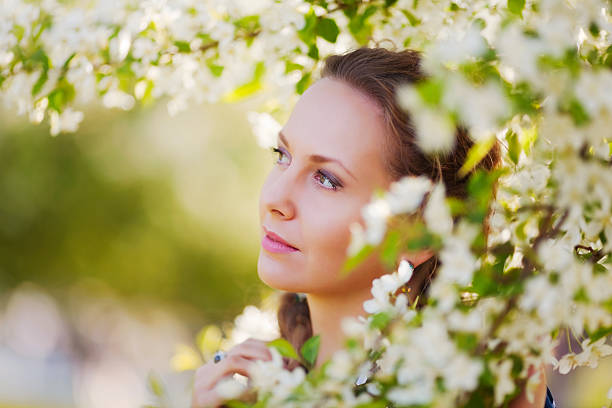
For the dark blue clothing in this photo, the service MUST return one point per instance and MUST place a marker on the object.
(550, 402)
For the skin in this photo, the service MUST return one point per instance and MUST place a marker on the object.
(311, 204)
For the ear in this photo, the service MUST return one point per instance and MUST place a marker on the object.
(416, 257)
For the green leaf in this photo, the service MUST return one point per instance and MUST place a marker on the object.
(356, 259)
(183, 46)
(313, 51)
(528, 138)
(127, 77)
(516, 6)
(303, 83)
(390, 248)
(44, 23)
(207, 40)
(466, 341)
(155, 385)
(307, 34)
(243, 91)
(416, 236)
(378, 403)
(215, 69)
(380, 320)
(476, 153)
(351, 343)
(503, 250)
(236, 404)
(38, 60)
(328, 29)
(454, 7)
(62, 94)
(292, 66)
(480, 190)
(577, 112)
(514, 146)
(18, 32)
(456, 206)
(39, 57)
(483, 284)
(359, 26)
(147, 96)
(599, 333)
(67, 62)
(250, 87)
(248, 23)
(42, 79)
(523, 99)
(431, 91)
(310, 349)
(412, 19)
(284, 348)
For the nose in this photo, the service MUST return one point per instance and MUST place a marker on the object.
(276, 196)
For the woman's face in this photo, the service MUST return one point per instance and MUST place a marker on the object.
(329, 164)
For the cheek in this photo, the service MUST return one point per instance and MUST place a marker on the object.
(327, 236)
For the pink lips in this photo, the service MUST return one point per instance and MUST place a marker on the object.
(274, 243)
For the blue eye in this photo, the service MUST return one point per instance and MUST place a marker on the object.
(328, 180)
(280, 152)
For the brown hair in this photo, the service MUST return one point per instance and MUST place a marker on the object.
(378, 72)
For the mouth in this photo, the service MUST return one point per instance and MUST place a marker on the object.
(274, 243)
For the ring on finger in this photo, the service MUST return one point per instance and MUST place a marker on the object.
(219, 355)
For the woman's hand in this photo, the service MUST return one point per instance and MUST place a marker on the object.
(237, 360)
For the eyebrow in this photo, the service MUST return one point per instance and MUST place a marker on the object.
(317, 158)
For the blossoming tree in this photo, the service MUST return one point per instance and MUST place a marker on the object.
(538, 75)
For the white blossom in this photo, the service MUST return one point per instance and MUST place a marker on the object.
(265, 128)
(419, 393)
(406, 194)
(375, 215)
(504, 384)
(386, 286)
(462, 373)
(434, 130)
(270, 377)
(255, 323)
(458, 262)
(437, 214)
(230, 388)
(67, 121)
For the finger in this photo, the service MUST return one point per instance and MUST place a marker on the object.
(206, 399)
(253, 348)
(209, 375)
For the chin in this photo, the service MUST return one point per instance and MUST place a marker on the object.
(277, 274)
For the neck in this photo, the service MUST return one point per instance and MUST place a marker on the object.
(328, 310)
(326, 314)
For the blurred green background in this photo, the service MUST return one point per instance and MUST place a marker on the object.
(153, 206)
(139, 218)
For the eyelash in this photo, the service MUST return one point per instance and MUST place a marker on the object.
(335, 184)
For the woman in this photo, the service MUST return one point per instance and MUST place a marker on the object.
(345, 137)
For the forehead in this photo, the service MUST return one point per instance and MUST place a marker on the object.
(332, 118)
